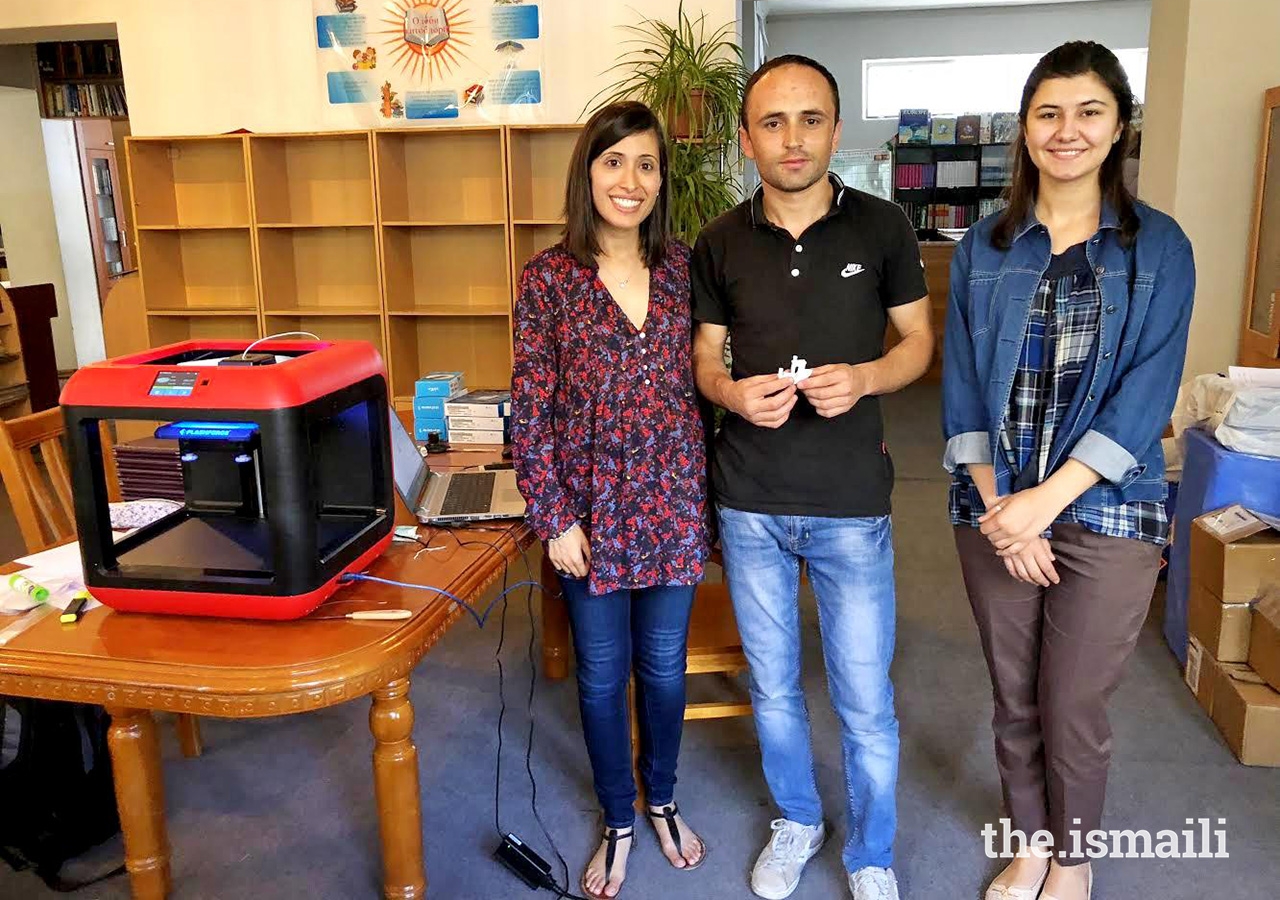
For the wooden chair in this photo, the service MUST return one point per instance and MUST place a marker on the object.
(41, 498)
(714, 648)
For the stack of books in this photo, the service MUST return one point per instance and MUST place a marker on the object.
(479, 417)
(149, 469)
(430, 393)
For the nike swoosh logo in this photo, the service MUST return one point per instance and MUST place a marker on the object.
(849, 270)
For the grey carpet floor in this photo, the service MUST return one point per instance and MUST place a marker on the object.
(283, 808)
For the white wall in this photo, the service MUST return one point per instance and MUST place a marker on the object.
(26, 210)
(208, 66)
(62, 155)
(841, 42)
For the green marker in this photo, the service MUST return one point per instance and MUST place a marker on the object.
(23, 585)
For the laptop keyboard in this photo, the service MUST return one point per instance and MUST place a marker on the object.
(468, 494)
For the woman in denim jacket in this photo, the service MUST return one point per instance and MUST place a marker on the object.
(1065, 336)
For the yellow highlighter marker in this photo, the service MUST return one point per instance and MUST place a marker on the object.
(75, 609)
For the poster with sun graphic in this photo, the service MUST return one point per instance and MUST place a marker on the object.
(411, 61)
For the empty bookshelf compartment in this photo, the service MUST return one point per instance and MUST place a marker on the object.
(529, 241)
(189, 182)
(312, 179)
(477, 346)
(166, 328)
(197, 269)
(539, 165)
(331, 328)
(446, 269)
(441, 176)
(334, 269)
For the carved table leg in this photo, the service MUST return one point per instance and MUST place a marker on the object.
(555, 625)
(395, 779)
(135, 757)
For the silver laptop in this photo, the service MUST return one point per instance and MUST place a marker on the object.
(451, 498)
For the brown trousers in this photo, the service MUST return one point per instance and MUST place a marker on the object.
(1056, 655)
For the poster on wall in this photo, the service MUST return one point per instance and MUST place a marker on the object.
(418, 61)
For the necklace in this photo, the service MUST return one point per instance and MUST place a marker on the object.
(623, 282)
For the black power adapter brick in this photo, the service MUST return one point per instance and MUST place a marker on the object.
(521, 859)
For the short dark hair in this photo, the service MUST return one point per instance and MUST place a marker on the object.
(788, 59)
(606, 127)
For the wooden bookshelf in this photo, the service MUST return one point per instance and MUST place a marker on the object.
(14, 392)
(410, 239)
(538, 164)
(197, 269)
(538, 161)
(441, 176)
(449, 270)
(312, 179)
(168, 328)
(478, 346)
(81, 79)
(196, 182)
(306, 269)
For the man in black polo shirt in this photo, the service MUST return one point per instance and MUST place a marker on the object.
(810, 268)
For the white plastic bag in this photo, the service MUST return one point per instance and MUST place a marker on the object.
(1241, 418)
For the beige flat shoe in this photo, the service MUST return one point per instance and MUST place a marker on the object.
(1003, 892)
(1088, 890)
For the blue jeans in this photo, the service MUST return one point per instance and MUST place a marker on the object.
(651, 627)
(850, 564)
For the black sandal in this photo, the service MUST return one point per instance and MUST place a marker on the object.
(611, 837)
(668, 815)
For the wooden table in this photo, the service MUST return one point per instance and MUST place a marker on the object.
(134, 664)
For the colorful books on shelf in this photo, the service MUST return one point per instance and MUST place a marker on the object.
(968, 129)
(957, 173)
(991, 206)
(1004, 128)
(62, 100)
(984, 128)
(944, 130)
(913, 126)
(997, 167)
(914, 176)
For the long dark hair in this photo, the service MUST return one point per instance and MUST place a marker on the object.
(606, 127)
(1067, 61)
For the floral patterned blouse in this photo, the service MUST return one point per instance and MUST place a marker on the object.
(605, 426)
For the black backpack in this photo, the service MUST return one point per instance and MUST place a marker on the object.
(57, 793)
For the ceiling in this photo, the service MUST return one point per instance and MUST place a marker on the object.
(797, 7)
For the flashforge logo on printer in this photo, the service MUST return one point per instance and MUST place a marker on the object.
(426, 26)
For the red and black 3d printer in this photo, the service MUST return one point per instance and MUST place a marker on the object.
(286, 468)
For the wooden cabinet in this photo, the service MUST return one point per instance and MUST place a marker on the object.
(106, 200)
(1260, 330)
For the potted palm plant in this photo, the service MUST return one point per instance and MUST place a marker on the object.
(692, 76)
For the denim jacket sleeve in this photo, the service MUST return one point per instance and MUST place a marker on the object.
(964, 416)
(1134, 414)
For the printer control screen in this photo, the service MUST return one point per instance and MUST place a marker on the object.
(174, 384)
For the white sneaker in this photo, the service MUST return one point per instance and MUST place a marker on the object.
(873, 883)
(778, 867)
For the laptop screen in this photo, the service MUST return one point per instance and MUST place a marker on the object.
(408, 468)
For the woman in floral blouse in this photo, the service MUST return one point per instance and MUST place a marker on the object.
(608, 447)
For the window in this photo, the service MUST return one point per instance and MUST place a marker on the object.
(954, 85)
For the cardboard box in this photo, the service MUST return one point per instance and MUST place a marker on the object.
(1234, 568)
(1201, 673)
(1221, 628)
(1264, 643)
(1247, 712)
